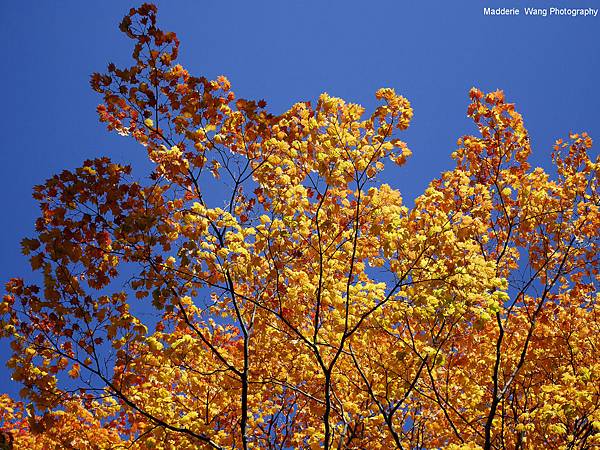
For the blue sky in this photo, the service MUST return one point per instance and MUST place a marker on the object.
(431, 51)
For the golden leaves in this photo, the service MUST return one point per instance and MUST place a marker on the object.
(290, 299)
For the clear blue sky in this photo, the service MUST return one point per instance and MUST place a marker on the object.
(431, 51)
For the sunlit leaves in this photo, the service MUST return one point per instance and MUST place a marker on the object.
(261, 289)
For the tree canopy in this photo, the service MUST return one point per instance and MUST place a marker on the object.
(261, 289)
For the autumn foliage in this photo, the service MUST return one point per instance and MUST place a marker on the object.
(261, 289)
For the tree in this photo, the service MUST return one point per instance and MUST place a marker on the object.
(263, 290)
